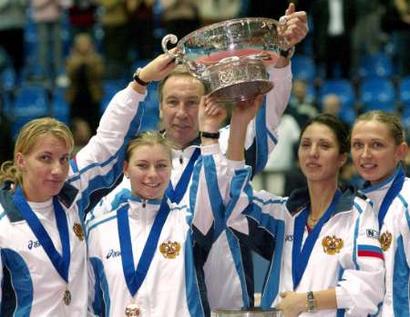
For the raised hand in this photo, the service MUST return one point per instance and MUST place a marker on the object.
(158, 68)
(244, 111)
(294, 27)
(211, 114)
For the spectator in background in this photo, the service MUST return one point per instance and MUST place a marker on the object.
(180, 17)
(81, 131)
(282, 158)
(6, 144)
(85, 69)
(114, 21)
(12, 22)
(367, 34)
(211, 11)
(47, 16)
(269, 9)
(401, 36)
(333, 21)
(332, 104)
(301, 106)
(141, 26)
(81, 14)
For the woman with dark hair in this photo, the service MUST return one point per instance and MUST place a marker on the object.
(321, 241)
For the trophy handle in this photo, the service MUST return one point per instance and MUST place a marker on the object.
(196, 69)
(173, 39)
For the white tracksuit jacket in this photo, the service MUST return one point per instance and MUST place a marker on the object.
(30, 285)
(395, 241)
(346, 254)
(236, 264)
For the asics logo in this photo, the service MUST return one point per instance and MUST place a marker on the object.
(112, 254)
(33, 244)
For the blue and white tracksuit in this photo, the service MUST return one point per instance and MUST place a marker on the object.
(171, 287)
(30, 285)
(344, 253)
(227, 260)
(395, 240)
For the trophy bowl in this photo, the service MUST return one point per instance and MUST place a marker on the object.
(231, 57)
(255, 312)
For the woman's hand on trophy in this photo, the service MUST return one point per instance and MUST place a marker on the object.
(211, 115)
(244, 111)
(293, 26)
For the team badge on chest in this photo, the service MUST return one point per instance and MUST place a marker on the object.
(385, 240)
(170, 250)
(78, 230)
(332, 245)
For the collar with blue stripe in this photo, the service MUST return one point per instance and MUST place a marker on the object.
(66, 196)
(299, 199)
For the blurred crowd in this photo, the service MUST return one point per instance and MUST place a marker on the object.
(74, 47)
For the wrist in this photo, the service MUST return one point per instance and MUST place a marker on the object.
(311, 303)
(140, 78)
(209, 135)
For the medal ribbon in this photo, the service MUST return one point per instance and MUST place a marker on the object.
(393, 191)
(134, 278)
(60, 263)
(175, 195)
(301, 255)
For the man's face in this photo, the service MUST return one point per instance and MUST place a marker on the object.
(179, 108)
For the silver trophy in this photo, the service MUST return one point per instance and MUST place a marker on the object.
(231, 56)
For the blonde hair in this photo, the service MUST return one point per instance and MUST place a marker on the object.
(390, 120)
(26, 140)
(148, 138)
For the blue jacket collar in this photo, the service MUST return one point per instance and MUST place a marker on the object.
(66, 196)
(299, 199)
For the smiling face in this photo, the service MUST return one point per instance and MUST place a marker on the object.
(180, 99)
(319, 153)
(149, 170)
(44, 168)
(375, 152)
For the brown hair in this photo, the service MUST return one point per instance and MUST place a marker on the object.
(26, 140)
(390, 120)
(339, 129)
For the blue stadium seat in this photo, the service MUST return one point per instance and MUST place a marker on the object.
(404, 91)
(8, 79)
(111, 87)
(303, 67)
(60, 106)
(344, 89)
(376, 65)
(31, 101)
(377, 94)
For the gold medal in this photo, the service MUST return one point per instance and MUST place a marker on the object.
(132, 310)
(385, 240)
(78, 230)
(170, 250)
(332, 244)
(67, 297)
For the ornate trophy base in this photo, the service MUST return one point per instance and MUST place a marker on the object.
(238, 79)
